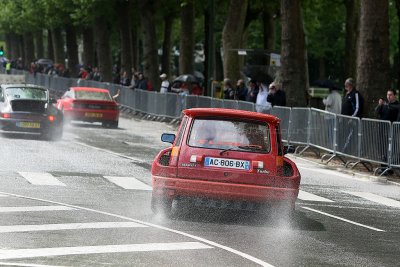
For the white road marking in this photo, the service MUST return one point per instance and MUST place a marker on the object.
(27, 264)
(311, 197)
(128, 183)
(67, 226)
(34, 208)
(62, 251)
(3, 195)
(41, 178)
(375, 198)
(328, 172)
(200, 239)
(345, 220)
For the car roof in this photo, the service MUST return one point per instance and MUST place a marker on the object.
(231, 113)
(12, 85)
(92, 89)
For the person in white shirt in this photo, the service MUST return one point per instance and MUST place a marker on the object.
(164, 83)
(262, 105)
(333, 102)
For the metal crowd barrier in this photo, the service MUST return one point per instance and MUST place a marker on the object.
(366, 140)
(395, 148)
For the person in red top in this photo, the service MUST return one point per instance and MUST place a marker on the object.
(82, 73)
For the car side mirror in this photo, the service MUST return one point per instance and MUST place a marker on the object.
(288, 149)
(168, 138)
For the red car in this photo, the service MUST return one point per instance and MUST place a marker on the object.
(229, 158)
(90, 105)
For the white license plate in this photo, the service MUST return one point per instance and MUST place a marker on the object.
(227, 163)
(26, 124)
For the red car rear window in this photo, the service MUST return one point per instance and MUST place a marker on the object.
(92, 95)
(230, 134)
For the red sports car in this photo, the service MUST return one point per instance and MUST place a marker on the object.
(225, 158)
(90, 105)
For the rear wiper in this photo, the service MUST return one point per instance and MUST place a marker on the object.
(244, 147)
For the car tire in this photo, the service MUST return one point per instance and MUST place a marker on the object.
(54, 134)
(161, 205)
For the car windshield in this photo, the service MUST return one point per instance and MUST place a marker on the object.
(92, 95)
(26, 93)
(230, 134)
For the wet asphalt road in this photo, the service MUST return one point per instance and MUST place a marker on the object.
(87, 219)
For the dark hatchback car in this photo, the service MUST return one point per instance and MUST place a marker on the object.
(28, 109)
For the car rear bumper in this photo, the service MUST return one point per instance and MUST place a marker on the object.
(176, 187)
(11, 125)
(92, 115)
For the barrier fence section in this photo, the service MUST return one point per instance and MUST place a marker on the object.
(375, 140)
(322, 130)
(395, 148)
(348, 136)
(369, 140)
(283, 113)
(299, 126)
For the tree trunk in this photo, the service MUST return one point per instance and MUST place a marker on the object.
(10, 46)
(124, 22)
(293, 54)
(88, 47)
(58, 45)
(21, 47)
(103, 48)
(166, 55)
(398, 44)
(186, 46)
(50, 47)
(29, 48)
(352, 32)
(72, 50)
(269, 29)
(232, 37)
(150, 54)
(373, 78)
(39, 46)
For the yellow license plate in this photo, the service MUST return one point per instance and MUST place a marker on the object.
(93, 115)
(25, 124)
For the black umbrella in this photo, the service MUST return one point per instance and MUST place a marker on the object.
(326, 84)
(258, 74)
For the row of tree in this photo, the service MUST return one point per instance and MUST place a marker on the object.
(316, 38)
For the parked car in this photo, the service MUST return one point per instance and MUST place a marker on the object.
(90, 105)
(230, 157)
(28, 109)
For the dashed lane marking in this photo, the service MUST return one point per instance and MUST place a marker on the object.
(63, 251)
(34, 208)
(344, 220)
(41, 178)
(68, 226)
(311, 197)
(376, 198)
(128, 183)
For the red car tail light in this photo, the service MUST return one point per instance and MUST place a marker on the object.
(51, 118)
(258, 164)
(196, 159)
(174, 156)
(6, 115)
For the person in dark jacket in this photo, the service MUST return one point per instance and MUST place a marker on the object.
(252, 92)
(276, 96)
(388, 110)
(142, 82)
(241, 90)
(351, 104)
